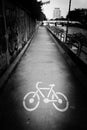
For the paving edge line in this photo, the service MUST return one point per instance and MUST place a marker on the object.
(56, 42)
(5, 76)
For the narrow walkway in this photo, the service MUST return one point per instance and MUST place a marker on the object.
(42, 62)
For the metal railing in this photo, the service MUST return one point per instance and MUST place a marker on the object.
(76, 42)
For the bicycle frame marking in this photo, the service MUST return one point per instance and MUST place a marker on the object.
(35, 95)
(50, 91)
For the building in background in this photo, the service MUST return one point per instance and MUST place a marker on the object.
(56, 13)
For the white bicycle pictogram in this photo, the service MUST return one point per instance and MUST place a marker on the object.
(31, 100)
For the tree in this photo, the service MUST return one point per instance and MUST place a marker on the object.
(31, 6)
(78, 15)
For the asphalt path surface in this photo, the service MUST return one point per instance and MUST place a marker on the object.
(42, 62)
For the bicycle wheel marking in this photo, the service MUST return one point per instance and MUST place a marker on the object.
(31, 100)
(30, 104)
(62, 103)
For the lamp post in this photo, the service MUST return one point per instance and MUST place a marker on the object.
(68, 19)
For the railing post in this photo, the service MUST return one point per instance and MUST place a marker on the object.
(68, 19)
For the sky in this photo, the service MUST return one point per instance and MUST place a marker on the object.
(63, 5)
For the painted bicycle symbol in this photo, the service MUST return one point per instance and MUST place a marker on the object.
(31, 100)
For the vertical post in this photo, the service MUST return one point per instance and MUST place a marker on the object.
(6, 33)
(68, 19)
(30, 25)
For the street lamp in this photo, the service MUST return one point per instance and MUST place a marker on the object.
(68, 19)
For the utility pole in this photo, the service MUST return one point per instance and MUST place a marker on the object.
(6, 33)
(68, 19)
(47, 2)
